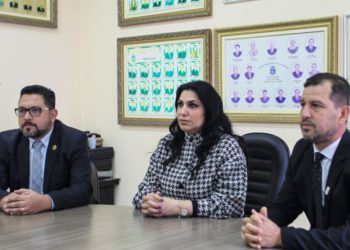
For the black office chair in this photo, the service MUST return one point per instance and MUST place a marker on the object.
(268, 157)
(95, 198)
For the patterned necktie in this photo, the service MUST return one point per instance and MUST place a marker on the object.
(37, 181)
(317, 189)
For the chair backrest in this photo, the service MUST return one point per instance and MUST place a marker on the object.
(268, 157)
(95, 198)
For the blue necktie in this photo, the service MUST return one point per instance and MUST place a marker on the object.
(36, 168)
(317, 189)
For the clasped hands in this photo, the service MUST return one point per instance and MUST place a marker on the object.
(258, 231)
(153, 204)
(24, 201)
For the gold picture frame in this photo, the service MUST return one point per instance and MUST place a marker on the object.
(131, 12)
(150, 68)
(346, 34)
(260, 69)
(41, 13)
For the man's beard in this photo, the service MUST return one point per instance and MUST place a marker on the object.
(32, 132)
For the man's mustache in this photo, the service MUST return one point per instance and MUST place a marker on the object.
(307, 122)
(28, 123)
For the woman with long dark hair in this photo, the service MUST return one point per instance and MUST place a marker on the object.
(199, 169)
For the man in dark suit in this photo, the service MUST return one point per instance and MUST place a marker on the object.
(249, 74)
(44, 164)
(324, 114)
(280, 98)
(311, 45)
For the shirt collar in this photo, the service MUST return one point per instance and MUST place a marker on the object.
(45, 140)
(328, 151)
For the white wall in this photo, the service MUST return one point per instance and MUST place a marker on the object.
(50, 57)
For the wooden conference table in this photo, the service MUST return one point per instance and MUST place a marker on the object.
(116, 227)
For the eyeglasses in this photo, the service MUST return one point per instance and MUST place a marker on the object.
(33, 111)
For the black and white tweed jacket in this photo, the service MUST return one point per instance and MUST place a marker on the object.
(219, 185)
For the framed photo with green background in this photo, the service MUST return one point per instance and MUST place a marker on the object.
(150, 68)
(132, 12)
(260, 69)
(29, 12)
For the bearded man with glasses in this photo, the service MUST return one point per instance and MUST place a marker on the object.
(44, 165)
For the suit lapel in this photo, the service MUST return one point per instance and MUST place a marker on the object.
(337, 165)
(309, 195)
(23, 156)
(51, 155)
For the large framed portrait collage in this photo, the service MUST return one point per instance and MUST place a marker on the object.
(259, 70)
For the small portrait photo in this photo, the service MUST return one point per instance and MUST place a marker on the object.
(132, 104)
(264, 96)
(252, 50)
(181, 51)
(144, 88)
(144, 71)
(194, 69)
(169, 69)
(235, 75)
(194, 50)
(181, 70)
(132, 71)
(169, 105)
(297, 73)
(249, 74)
(169, 87)
(235, 96)
(156, 87)
(132, 87)
(168, 52)
(156, 71)
(238, 51)
(292, 46)
(310, 46)
(156, 3)
(133, 5)
(169, 2)
(156, 104)
(250, 97)
(313, 69)
(280, 98)
(296, 95)
(271, 49)
(144, 104)
(145, 4)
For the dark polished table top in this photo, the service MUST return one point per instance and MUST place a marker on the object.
(116, 227)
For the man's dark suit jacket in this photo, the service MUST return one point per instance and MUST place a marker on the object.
(296, 197)
(67, 166)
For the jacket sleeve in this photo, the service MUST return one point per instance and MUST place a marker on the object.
(149, 183)
(229, 194)
(78, 191)
(4, 165)
(320, 239)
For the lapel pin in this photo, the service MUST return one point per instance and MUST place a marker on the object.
(54, 147)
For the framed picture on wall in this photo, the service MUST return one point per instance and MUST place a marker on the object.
(29, 12)
(150, 68)
(346, 46)
(260, 69)
(132, 12)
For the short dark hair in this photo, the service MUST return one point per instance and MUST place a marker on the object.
(46, 93)
(340, 87)
(215, 124)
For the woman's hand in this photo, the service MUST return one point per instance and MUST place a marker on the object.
(151, 204)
